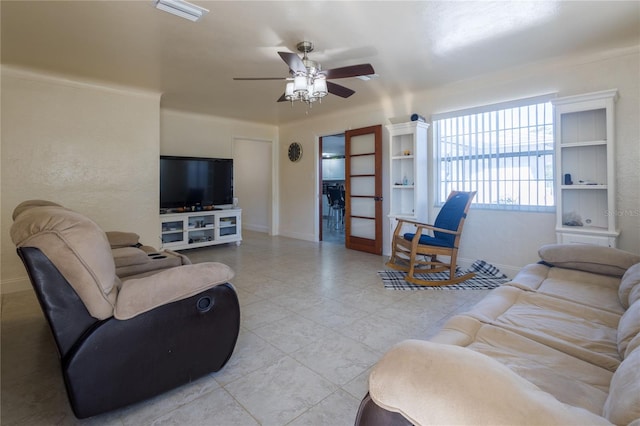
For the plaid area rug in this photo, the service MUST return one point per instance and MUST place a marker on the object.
(487, 277)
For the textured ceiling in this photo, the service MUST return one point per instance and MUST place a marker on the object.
(412, 45)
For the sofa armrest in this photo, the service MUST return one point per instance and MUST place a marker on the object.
(432, 383)
(140, 295)
(589, 258)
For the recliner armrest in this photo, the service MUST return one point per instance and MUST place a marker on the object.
(140, 295)
(432, 383)
(119, 239)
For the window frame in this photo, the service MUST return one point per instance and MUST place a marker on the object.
(474, 158)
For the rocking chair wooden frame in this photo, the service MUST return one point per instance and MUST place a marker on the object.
(412, 257)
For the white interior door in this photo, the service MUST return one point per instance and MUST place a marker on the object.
(252, 182)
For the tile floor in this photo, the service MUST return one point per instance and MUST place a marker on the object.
(315, 319)
(332, 233)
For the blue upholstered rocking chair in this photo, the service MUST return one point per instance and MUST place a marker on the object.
(417, 253)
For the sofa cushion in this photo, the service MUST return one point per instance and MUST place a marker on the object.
(629, 290)
(79, 249)
(633, 345)
(595, 290)
(629, 327)
(569, 379)
(623, 403)
(430, 383)
(589, 258)
(581, 331)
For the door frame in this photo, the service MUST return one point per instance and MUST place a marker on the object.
(318, 175)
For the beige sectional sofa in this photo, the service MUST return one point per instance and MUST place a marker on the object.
(560, 344)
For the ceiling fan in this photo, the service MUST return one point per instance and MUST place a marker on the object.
(308, 82)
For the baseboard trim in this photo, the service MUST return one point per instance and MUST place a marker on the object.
(256, 228)
(298, 235)
(15, 285)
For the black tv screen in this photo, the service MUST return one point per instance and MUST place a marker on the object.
(193, 181)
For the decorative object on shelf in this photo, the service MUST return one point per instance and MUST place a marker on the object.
(295, 152)
(567, 179)
(308, 82)
(571, 219)
(418, 117)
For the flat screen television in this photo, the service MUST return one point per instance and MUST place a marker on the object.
(193, 181)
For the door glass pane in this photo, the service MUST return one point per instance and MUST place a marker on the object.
(363, 228)
(363, 207)
(363, 186)
(364, 144)
(363, 165)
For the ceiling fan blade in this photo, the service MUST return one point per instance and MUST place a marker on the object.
(294, 62)
(282, 98)
(350, 71)
(336, 89)
(259, 78)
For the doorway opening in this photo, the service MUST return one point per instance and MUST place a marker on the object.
(332, 181)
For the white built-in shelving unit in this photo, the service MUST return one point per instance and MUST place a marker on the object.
(585, 168)
(408, 172)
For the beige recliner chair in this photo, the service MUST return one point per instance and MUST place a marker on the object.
(122, 339)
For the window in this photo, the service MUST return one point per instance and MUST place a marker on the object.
(504, 152)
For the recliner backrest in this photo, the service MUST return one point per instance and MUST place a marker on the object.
(77, 247)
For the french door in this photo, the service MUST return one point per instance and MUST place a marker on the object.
(363, 189)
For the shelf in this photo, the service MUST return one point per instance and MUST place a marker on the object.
(582, 144)
(403, 157)
(580, 187)
(595, 230)
(403, 186)
(172, 231)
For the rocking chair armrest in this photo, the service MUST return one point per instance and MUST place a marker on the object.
(421, 225)
(433, 228)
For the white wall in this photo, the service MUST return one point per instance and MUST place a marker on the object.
(507, 239)
(89, 147)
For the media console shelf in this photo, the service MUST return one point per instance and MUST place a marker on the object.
(200, 229)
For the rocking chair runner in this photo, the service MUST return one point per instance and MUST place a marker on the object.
(416, 253)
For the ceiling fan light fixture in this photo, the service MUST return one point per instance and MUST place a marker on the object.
(319, 87)
(308, 82)
(288, 91)
(181, 8)
(300, 83)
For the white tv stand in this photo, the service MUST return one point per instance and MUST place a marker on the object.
(200, 228)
